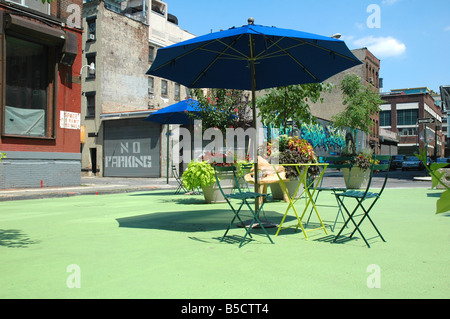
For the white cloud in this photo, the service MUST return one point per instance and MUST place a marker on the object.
(389, 2)
(447, 28)
(382, 47)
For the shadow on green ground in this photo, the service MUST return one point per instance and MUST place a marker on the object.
(15, 238)
(193, 220)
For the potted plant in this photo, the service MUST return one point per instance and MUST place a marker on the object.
(200, 174)
(293, 150)
(358, 176)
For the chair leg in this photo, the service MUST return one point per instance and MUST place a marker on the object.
(350, 218)
(366, 214)
(255, 218)
(236, 215)
(338, 213)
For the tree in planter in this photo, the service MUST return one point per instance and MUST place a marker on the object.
(291, 103)
(362, 102)
(222, 108)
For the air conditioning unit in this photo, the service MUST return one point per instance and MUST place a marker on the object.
(91, 36)
(371, 79)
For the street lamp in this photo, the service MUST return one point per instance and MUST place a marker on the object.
(91, 68)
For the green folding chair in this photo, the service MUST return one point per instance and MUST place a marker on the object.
(334, 162)
(181, 188)
(243, 197)
(361, 196)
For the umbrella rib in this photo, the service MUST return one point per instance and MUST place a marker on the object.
(296, 61)
(180, 56)
(225, 55)
(325, 49)
(227, 46)
(232, 48)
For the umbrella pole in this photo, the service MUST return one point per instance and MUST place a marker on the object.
(253, 79)
(167, 155)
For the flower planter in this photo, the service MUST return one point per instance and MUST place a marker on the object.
(291, 185)
(358, 177)
(212, 192)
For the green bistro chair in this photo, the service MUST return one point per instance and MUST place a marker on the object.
(180, 189)
(361, 196)
(242, 197)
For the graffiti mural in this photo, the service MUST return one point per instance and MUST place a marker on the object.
(324, 138)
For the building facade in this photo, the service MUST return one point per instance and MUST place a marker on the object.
(40, 93)
(403, 112)
(369, 73)
(121, 39)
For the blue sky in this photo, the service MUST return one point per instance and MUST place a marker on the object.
(410, 37)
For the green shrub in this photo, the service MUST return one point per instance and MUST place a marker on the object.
(198, 174)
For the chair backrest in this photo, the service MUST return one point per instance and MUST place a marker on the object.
(175, 173)
(338, 162)
(378, 164)
(231, 168)
(382, 163)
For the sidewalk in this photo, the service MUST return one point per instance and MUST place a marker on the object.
(90, 186)
(110, 185)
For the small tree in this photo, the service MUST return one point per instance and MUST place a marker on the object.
(362, 102)
(222, 108)
(290, 103)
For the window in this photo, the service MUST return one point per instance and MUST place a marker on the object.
(385, 118)
(164, 88)
(29, 90)
(91, 22)
(188, 93)
(90, 104)
(35, 5)
(407, 117)
(177, 92)
(151, 87)
(151, 54)
(90, 57)
(408, 132)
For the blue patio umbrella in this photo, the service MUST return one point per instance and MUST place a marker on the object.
(253, 57)
(177, 113)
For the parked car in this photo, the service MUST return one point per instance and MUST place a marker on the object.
(443, 160)
(412, 162)
(397, 161)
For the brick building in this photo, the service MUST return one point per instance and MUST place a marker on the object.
(40, 93)
(369, 73)
(400, 114)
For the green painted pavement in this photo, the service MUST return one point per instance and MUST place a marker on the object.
(159, 245)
